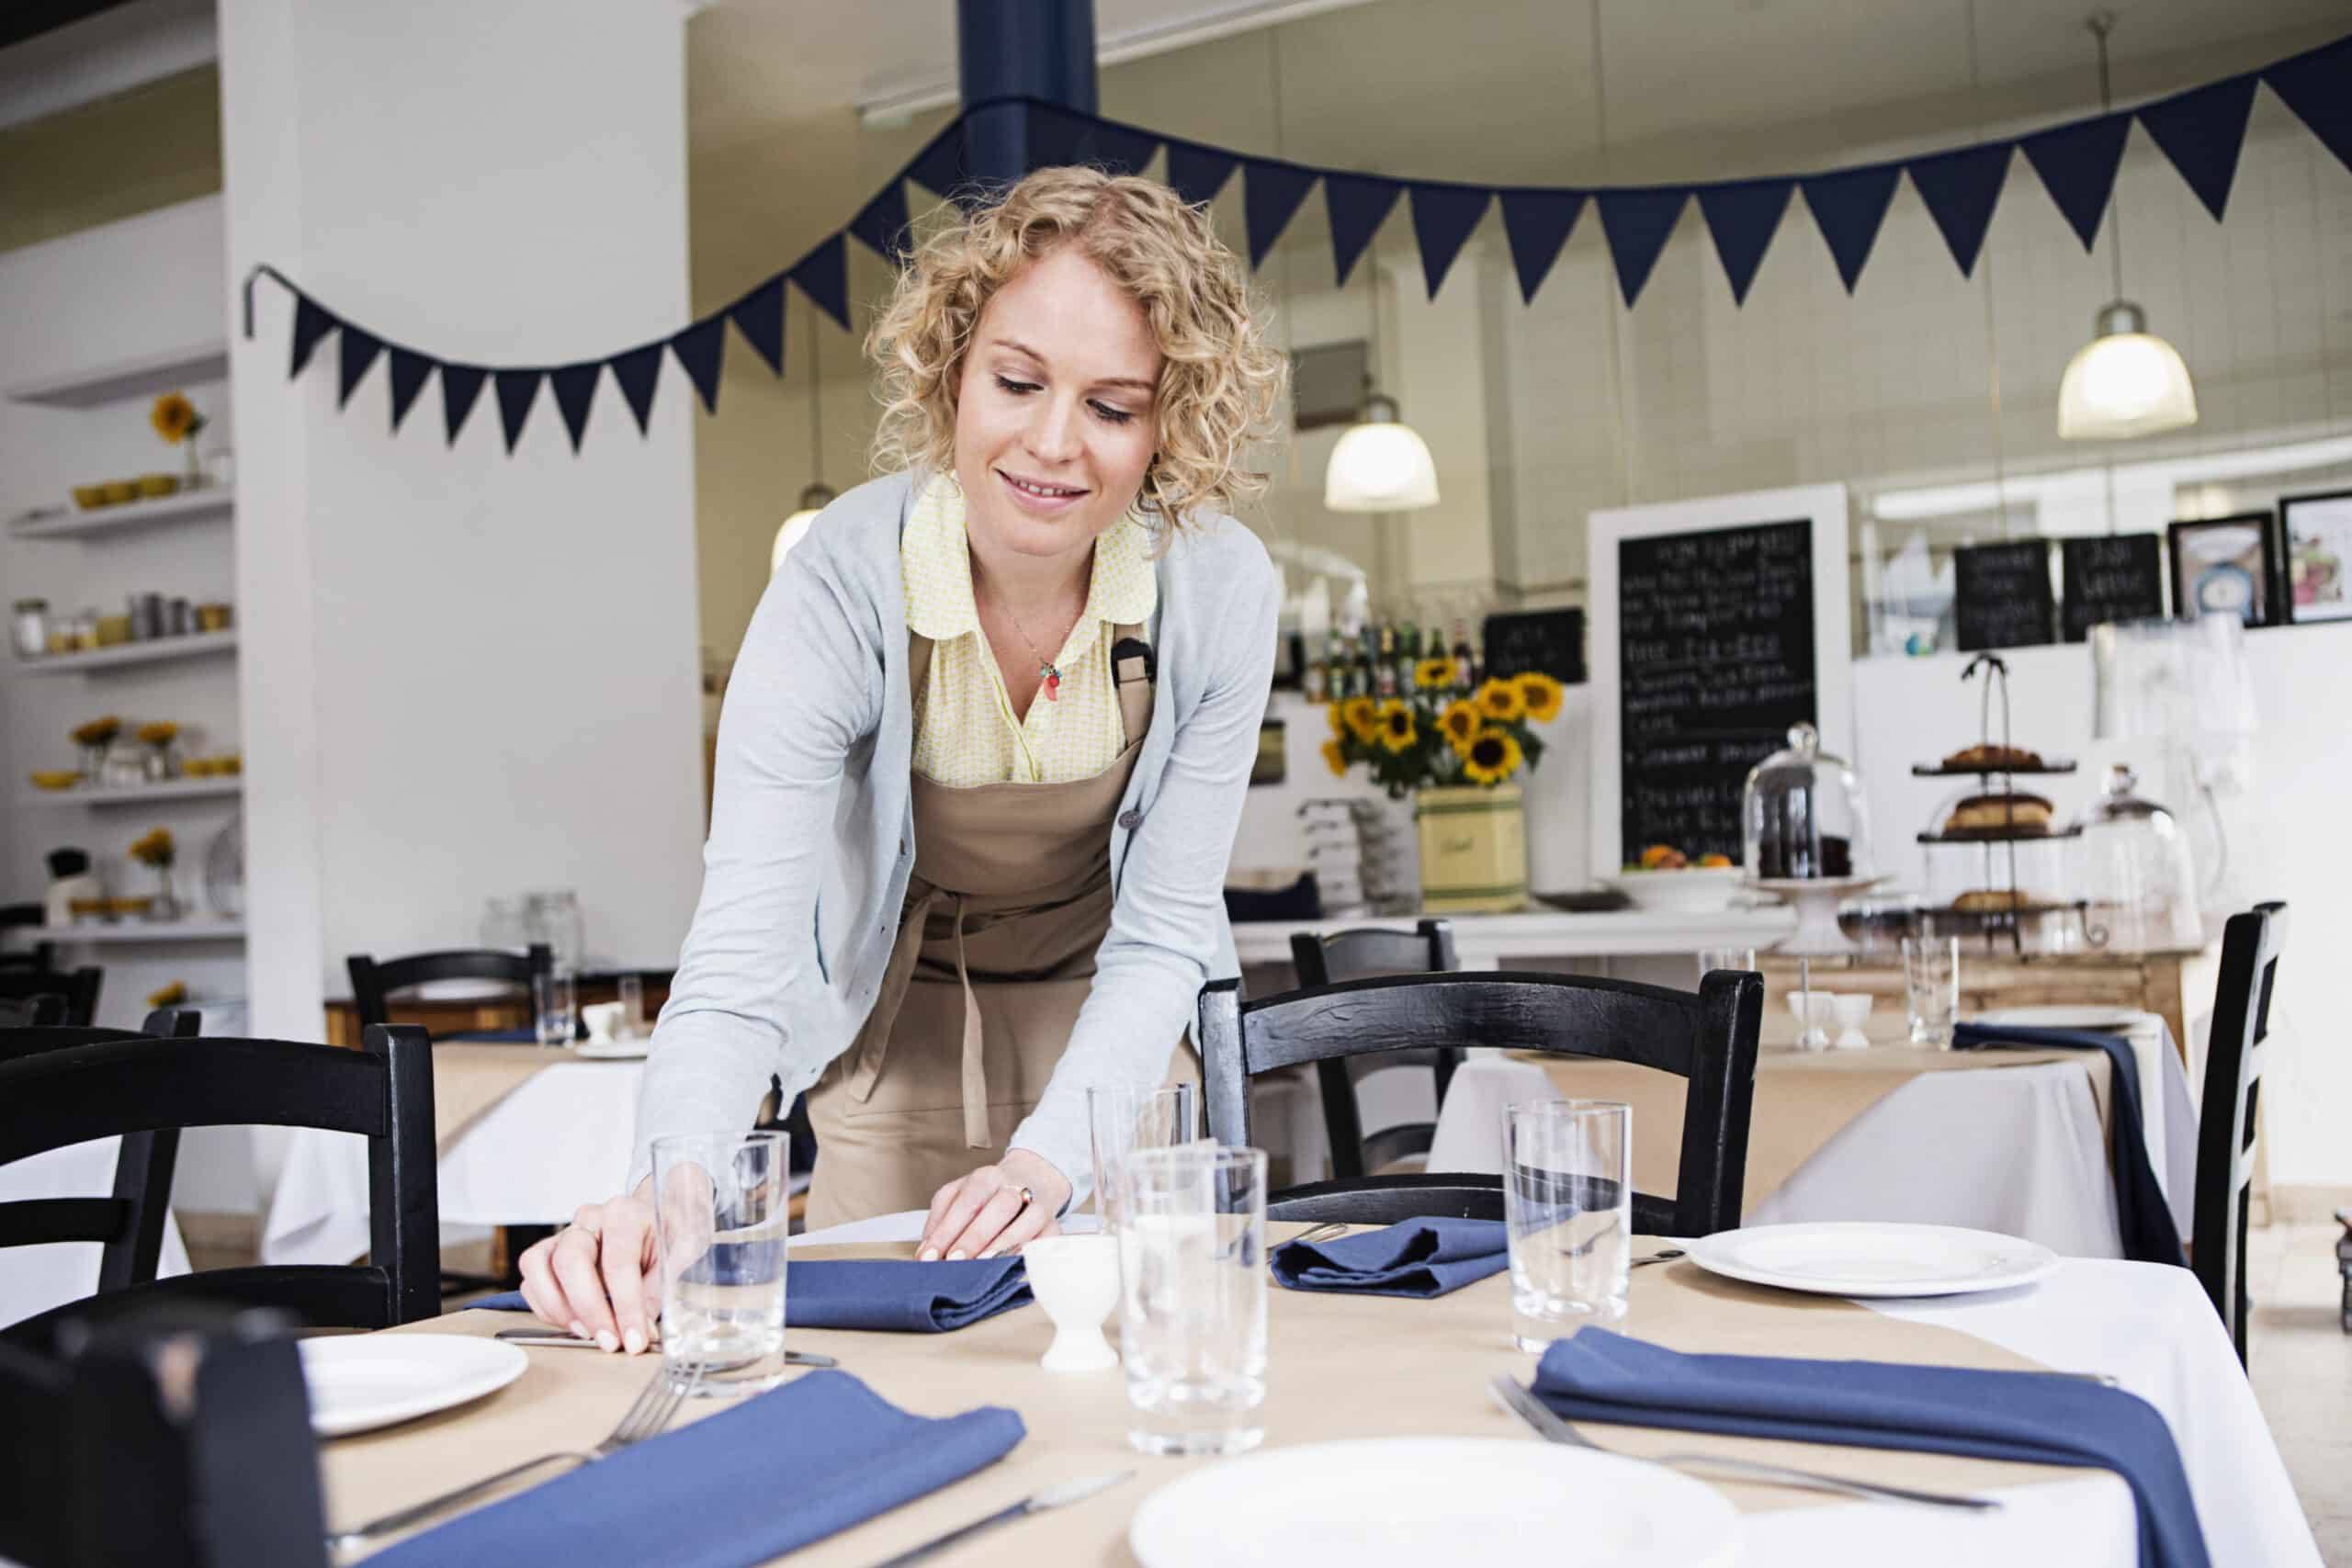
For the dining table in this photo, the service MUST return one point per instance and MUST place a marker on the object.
(1343, 1367)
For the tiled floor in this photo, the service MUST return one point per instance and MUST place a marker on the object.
(2301, 1366)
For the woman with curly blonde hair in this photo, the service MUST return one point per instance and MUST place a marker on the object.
(986, 744)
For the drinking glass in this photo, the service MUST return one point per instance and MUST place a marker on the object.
(1133, 1116)
(555, 1005)
(721, 1211)
(1931, 987)
(1193, 1296)
(632, 999)
(1713, 958)
(1569, 1212)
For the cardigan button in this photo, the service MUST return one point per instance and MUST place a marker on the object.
(1130, 819)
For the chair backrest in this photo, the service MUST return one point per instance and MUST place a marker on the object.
(44, 1011)
(129, 1224)
(1707, 1037)
(382, 1091)
(172, 1445)
(373, 982)
(78, 987)
(2251, 944)
(1362, 954)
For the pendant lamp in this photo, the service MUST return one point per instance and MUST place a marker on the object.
(1381, 463)
(2126, 382)
(819, 495)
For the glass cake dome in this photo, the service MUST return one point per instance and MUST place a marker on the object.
(2132, 860)
(1801, 816)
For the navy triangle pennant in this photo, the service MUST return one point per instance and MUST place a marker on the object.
(1537, 223)
(1961, 190)
(409, 371)
(2202, 132)
(1118, 148)
(516, 391)
(1848, 207)
(1637, 222)
(2077, 164)
(1055, 136)
(759, 316)
(1743, 217)
(882, 225)
(1199, 173)
(1443, 217)
(823, 276)
(1269, 197)
(2318, 87)
(637, 373)
(312, 322)
(575, 391)
(699, 348)
(1358, 204)
(353, 354)
(945, 168)
(460, 387)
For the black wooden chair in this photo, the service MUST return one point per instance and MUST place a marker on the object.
(2251, 944)
(373, 983)
(383, 1091)
(184, 1443)
(1427, 949)
(1707, 1037)
(78, 987)
(43, 1011)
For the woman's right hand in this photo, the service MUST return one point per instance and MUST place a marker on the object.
(594, 1277)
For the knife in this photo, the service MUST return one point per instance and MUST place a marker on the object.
(1051, 1497)
(550, 1337)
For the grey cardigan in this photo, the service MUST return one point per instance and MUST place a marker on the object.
(812, 832)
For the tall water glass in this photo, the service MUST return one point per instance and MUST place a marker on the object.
(1193, 1296)
(722, 1210)
(555, 1007)
(1568, 1212)
(1931, 987)
(1133, 1116)
(632, 1000)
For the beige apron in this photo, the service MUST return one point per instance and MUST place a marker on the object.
(1009, 897)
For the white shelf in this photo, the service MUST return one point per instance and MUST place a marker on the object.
(156, 650)
(129, 932)
(188, 506)
(136, 794)
(98, 384)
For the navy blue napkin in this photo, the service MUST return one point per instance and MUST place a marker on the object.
(1416, 1258)
(2036, 1418)
(493, 1037)
(884, 1293)
(2141, 1212)
(753, 1481)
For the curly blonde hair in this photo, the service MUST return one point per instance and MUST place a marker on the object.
(1220, 383)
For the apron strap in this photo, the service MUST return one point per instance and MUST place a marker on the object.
(1131, 677)
(896, 977)
(976, 1078)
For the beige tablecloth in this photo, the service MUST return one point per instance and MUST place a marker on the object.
(470, 1077)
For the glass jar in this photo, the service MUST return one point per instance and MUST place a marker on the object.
(2133, 863)
(554, 919)
(29, 624)
(1802, 815)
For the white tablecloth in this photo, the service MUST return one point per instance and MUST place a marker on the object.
(35, 1279)
(560, 1140)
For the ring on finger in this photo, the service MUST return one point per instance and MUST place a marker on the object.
(1027, 1197)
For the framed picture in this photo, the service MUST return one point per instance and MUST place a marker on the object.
(2318, 530)
(2224, 566)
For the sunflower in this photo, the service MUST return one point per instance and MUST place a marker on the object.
(1500, 700)
(174, 418)
(154, 849)
(1541, 695)
(1361, 716)
(1337, 712)
(1433, 675)
(1335, 758)
(1396, 730)
(1460, 722)
(1492, 757)
(170, 995)
(162, 732)
(97, 731)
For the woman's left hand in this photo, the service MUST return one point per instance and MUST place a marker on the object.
(982, 1214)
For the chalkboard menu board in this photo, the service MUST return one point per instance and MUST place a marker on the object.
(2115, 577)
(1551, 641)
(2001, 594)
(1716, 648)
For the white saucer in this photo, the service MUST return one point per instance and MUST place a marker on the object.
(1866, 1258)
(611, 1050)
(360, 1381)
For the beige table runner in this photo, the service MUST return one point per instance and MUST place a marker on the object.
(1804, 1099)
(1339, 1368)
(468, 1078)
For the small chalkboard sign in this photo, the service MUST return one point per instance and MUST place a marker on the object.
(1550, 641)
(2001, 594)
(2110, 578)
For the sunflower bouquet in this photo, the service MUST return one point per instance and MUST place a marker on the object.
(1441, 736)
(175, 419)
(157, 849)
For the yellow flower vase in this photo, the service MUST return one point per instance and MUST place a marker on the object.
(1474, 849)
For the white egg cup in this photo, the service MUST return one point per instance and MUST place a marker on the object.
(1076, 1280)
(1812, 1009)
(1852, 1010)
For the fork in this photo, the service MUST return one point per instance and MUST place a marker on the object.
(1328, 1230)
(1524, 1403)
(653, 1411)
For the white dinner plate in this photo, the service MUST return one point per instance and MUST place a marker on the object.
(1866, 1258)
(1413, 1502)
(611, 1050)
(2065, 1015)
(360, 1381)
(1692, 890)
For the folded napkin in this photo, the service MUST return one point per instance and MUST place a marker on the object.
(1416, 1258)
(2035, 1417)
(883, 1294)
(751, 1482)
(2141, 1213)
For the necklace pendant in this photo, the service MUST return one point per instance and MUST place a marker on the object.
(1053, 679)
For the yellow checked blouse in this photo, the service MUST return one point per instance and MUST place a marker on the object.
(965, 733)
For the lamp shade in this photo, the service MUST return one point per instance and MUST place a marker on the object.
(792, 529)
(1380, 465)
(2125, 382)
